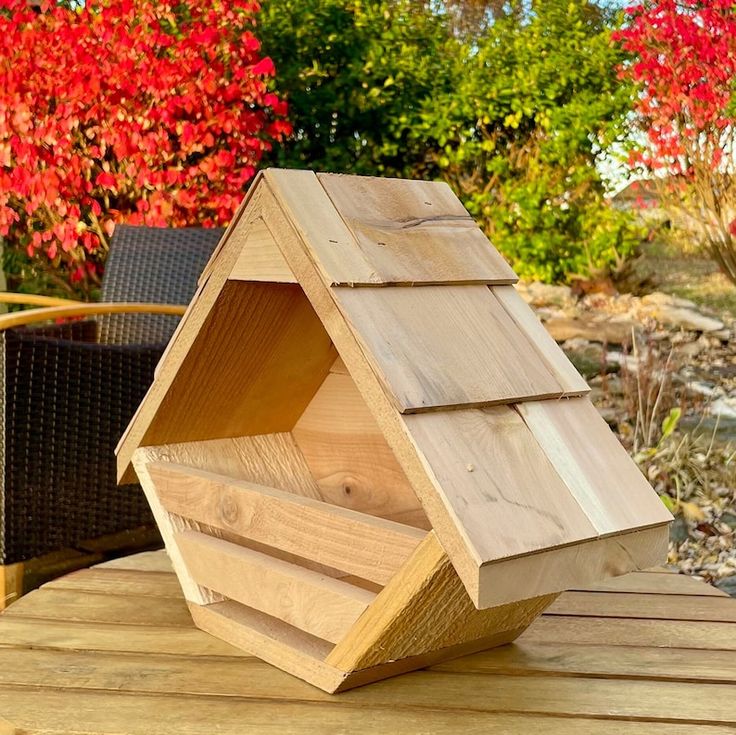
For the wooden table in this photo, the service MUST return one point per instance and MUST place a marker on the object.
(112, 649)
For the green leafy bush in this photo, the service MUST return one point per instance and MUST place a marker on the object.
(513, 114)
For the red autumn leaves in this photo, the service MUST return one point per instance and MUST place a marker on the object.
(128, 110)
(684, 63)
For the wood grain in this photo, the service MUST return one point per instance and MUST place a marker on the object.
(349, 458)
(424, 609)
(568, 566)
(409, 232)
(564, 371)
(273, 460)
(355, 543)
(271, 354)
(314, 603)
(594, 465)
(498, 484)
(132, 714)
(260, 258)
(441, 346)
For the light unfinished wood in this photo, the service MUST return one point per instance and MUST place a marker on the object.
(260, 258)
(273, 460)
(646, 606)
(407, 232)
(319, 605)
(356, 543)
(498, 483)
(424, 609)
(445, 346)
(349, 458)
(569, 378)
(447, 353)
(272, 354)
(667, 584)
(568, 566)
(594, 465)
(79, 309)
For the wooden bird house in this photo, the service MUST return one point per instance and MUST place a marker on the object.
(364, 452)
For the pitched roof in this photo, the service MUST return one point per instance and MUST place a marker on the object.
(486, 416)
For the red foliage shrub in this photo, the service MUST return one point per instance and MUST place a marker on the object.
(144, 111)
(684, 63)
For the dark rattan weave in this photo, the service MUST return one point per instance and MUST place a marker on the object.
(68, 392)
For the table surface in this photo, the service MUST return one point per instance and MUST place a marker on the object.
(112, 649)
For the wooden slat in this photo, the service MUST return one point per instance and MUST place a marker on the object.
(663, 701)
(260, 258)
(119, 582)
(580, 631)
(567, 566)
(504, 492)
(349, 458)
(425, 609)
(60, 604)
(656, 607)
(130, 713)
(319, 605)
(599, 660)
(568, 377)
(441, 346)
(356, 543)
(661, 584)
(119, 637)
(147, 561)
(594, 465)
(406, 232)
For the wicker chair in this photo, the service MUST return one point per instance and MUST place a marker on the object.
(69, 391)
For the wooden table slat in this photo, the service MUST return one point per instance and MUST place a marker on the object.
(112, 650)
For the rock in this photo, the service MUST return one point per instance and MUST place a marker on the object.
(723, 407)
(727, 585)
(693, 349)
(665, 299)
(685, 318)
(544, 294)
(724, 335)
(607, 331)
(679, 531)
(587, 357)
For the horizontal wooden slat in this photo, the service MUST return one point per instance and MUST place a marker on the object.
(319, 605)
(605, 661)
(664, 583)
(405, 232)
(594, 465)
(358, 544)
(173, 714)
(580, 631)
(663, 701)
(639, 605)
(444, 346)
(61, 604)
(120, 582)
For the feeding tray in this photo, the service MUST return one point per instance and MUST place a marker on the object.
(363, 451)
